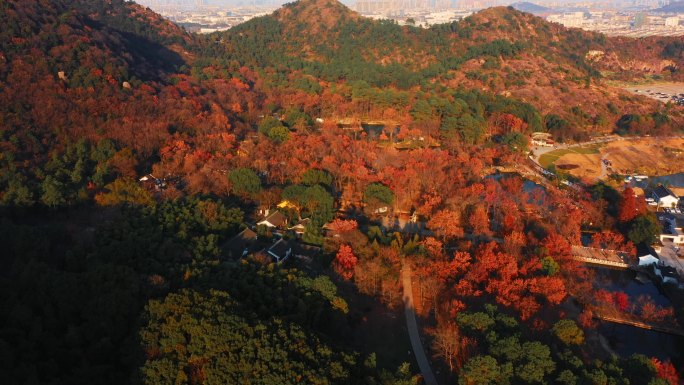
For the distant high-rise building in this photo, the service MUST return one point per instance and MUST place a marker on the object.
(398, 6)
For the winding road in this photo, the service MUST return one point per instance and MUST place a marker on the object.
(412, 324)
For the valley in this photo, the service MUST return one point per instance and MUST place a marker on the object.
(277, 203)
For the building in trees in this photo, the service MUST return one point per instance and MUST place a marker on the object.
(276, 220)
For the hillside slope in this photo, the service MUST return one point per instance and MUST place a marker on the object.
(498, 50)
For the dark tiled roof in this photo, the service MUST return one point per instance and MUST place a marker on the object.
(277, 219)
(662, 191)
(305, 250)
(245, 240)
(280, 248)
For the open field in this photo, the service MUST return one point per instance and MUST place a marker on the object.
(647, 156)
(551, 157)
(583, 166)
(659, 91)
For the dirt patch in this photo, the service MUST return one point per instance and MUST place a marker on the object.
(679, 191)
(583, 166)
(648, 156)
(644, 156)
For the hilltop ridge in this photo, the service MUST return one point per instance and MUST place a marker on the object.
(327, 13)
(500, 50)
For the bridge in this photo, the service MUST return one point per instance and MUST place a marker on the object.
(640, 324)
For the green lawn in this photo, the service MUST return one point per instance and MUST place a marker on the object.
(550, 158)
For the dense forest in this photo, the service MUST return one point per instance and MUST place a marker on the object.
(133, 157)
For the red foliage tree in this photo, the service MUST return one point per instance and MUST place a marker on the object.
(447, 223)
(343, 226)
(479, 220)
(622, 301)
(628, 208)
(586, 319)
(666, 371)
(345, 261)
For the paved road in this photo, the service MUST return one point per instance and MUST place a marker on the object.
(412, 324)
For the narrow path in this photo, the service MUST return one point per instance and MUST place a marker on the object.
(412, 324)
(604, 169)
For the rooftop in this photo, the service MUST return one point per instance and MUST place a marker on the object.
(662, 192)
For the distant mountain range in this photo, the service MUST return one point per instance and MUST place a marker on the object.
(532, 8)
(676, 7)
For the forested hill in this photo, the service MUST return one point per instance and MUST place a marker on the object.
(134, 156)
(325, 31)
(125, 40)
(500, 50)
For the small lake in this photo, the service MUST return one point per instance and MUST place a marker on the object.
(627, 340)
(374, 130)
(528, 185)
(625, 280)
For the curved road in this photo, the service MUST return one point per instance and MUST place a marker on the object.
(412, 324)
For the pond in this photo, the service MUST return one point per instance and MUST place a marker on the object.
(374, 130)
(528, 185)
(625, 280)
(627, 340)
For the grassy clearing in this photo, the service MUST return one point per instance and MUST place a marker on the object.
(550, 158)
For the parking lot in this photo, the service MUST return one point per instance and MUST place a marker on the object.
(664, 92)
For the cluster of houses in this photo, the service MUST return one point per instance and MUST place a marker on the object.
(672, 228)
(276, 247)
(671, 238)
(667, 255)
(670, 215)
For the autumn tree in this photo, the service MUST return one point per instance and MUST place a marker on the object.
(447, 224)
(666, 371)
(124, 190)
(345, 261)
(479, 221)
(343, 226)
(448, 344)
(627, 209)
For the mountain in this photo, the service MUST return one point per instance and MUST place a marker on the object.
(72, 34)
(532, 8)
(674, 7)
(85, 71)
(500, 50)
